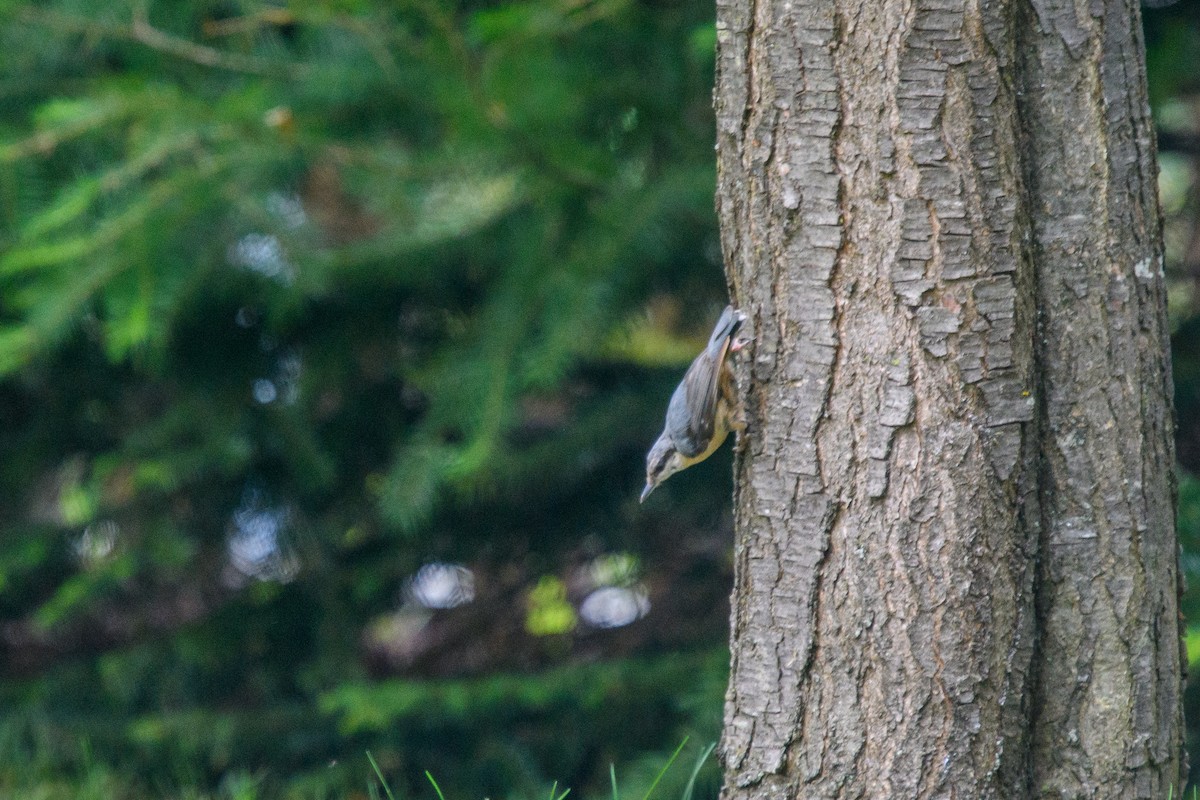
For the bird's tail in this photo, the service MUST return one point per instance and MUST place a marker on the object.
(731, 319)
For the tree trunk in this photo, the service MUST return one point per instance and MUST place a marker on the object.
(1107, 690)
(956, 559)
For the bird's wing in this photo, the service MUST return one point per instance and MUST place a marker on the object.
(727, 324)
(692, 411)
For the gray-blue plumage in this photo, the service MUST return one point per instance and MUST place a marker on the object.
(692, 410)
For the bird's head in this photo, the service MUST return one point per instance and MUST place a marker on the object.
(662, 462)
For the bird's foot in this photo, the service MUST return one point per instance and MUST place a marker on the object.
(738, 421)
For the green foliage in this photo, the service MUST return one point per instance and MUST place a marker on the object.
(503, 735)
(549, 612)
(296, 297)
(456, 196)
(1189, 539)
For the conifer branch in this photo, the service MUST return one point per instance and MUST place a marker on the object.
(142, 32)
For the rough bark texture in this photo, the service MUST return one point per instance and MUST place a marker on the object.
(942, 221)
(1107, 695)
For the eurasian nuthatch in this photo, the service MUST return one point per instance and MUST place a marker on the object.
(704, 408)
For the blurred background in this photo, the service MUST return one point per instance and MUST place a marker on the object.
(332, 338)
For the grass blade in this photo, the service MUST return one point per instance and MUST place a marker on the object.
(436, 788)
(612, 774)
(666, 767)
(691, 784)
(379, 773)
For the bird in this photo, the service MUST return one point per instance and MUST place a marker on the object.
(704, 408)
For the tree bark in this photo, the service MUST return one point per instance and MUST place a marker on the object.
(955, 563)
(1108, 692)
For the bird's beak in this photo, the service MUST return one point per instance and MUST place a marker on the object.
(646, 492)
